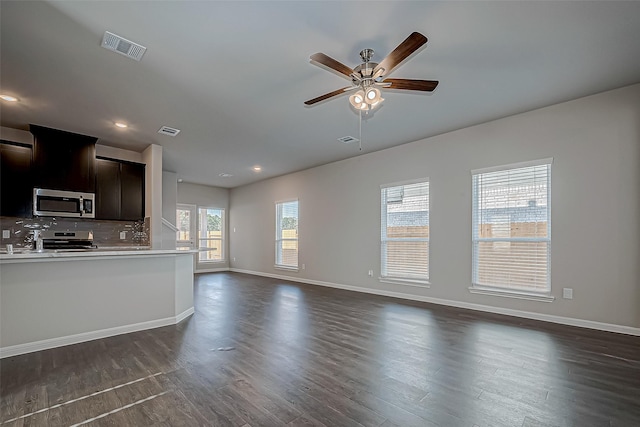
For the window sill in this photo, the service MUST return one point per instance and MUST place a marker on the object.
(285, 267)
(506, 293)
(221, 261)
(405, 282)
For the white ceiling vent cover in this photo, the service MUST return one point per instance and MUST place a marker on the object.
(348, 139)
(166, 130)
(123, 46)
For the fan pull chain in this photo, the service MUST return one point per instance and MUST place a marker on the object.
(360, 129)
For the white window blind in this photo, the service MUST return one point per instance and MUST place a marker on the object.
(512, 228)
(287, 234)
(404, 231)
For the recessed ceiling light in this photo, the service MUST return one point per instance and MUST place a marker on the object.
(257, 168)
(9, 98)
(225, 175)
(121, 125)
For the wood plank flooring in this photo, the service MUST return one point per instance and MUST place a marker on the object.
(264, 352)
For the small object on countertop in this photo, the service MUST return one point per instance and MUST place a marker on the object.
(9, 248)
(39, 242)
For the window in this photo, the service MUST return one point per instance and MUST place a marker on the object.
(210, 234)
(512, 227)
(404, 233)
(287, 234)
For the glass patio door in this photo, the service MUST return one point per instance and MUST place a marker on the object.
(186, 220)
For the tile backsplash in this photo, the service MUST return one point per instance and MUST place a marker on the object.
(105, 233)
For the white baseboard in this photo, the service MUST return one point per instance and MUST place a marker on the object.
(621, 329)
(16, 350)
(180, 317)
(212, 270)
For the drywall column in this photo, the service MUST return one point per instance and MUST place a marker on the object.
(152, 157)
(169, 197)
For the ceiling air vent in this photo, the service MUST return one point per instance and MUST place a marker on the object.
(123, 46)
(166, 130)
(348, 139)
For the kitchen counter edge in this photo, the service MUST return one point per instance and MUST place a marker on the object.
(69, 256)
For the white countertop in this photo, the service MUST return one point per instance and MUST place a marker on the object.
(101, 253)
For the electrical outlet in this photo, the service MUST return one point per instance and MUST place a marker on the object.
(370, 273)
(234, 259)
(303, 266)
(234, 229)
(5, 234)
(567, 293)
(123, 235)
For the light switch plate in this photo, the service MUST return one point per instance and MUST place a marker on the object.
(5, 234)
(567, 293)
(123, 235)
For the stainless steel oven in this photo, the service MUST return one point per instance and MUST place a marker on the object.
(63, 203)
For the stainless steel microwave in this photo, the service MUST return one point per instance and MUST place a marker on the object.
(63, 203)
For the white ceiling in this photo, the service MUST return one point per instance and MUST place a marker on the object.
(233, 76)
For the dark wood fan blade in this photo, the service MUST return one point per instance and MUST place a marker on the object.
(408, 84)
(327, 61)
(328, 95)
(400, 53)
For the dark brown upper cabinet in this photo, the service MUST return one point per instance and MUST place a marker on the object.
(119, 189)
(63, 160)
(107, 189)
(16, 187)
(132, 187)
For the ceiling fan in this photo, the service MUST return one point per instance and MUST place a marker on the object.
(369, 77)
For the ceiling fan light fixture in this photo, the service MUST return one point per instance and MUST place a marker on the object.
(366, 76)
(357, 99)
(372, 96)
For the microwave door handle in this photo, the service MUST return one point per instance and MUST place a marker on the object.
(81, 206)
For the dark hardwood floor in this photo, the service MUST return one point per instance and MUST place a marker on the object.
(263, 352)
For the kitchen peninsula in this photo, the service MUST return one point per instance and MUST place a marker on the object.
(52, 299)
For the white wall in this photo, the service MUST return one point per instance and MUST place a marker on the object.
(118, 153)
(208, 197)
(595, 143)
(16, 135)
